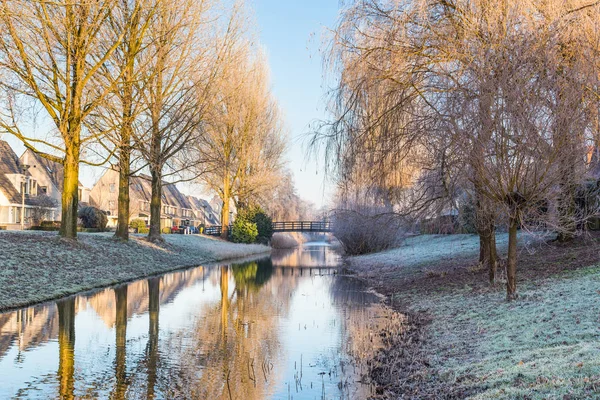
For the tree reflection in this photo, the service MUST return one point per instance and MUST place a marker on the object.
(152, 346)
(120, 343)
(252, 275)
(66, 345)
(238, 362)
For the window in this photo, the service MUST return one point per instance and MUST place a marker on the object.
(43, 190)
(33, 187)
(113, 187)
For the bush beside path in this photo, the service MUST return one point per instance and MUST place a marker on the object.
(40, 266)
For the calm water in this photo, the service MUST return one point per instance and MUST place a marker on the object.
(285, 327)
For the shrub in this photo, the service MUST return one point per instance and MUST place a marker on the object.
(367, 229)
(165, 231)
(50, 224)
(244, 231)
(256, 215)
(92, 217)
(137, 224)
(43, 228)
(143, 230)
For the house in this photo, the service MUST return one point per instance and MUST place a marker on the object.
(177, 209)
(50, 176)
(19, 185)
(204, 212)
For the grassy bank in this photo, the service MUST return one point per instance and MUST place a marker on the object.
(39, 266)
(471, 343)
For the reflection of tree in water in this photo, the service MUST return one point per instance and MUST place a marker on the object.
(120, 366)
(66, 348)
(252, 275)
(235, 348)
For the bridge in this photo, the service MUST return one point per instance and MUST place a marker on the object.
(288, 226)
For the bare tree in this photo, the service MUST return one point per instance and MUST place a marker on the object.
(242, 144)
(52, 54)
(186, 52)
(478, 97)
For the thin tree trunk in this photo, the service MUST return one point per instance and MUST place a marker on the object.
(70, 194)
(511, 265)
(493, 259)
(155, 206)
(487, 248)
(487, 241)
(225, 209)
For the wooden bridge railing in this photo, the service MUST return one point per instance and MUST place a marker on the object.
(291, 226)
(302, 226)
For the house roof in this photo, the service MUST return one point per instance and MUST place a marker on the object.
(10, 164)
(55, 171)
(141, 189)
(201, 206)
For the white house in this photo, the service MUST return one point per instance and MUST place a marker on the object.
(18, 186)
(49, 176)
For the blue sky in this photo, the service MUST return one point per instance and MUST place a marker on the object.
(292, 34)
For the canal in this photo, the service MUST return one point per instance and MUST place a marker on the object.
(283, 327)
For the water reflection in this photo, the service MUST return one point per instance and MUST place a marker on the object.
(278, 327)
(66, 345)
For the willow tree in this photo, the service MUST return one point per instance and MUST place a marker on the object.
(51, 57)
(242, 143)
(502, 89)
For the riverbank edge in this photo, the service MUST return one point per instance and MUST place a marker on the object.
(403, 357)
(204, 259)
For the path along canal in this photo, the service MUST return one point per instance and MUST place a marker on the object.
(284, 327)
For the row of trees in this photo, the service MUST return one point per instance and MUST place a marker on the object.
(176, 88)
(495, 103)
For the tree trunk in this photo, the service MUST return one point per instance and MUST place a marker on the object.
(493, 260)
(123, 201)
(155, 206)
(487, 250)
(125, 158)
(66, 345)
(487, 240)
(70, 194)
(511, 265)
(225, 209)
(225, 220)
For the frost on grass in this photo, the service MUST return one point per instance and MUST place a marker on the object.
(37, 266)
(546, 345)
(420, 253)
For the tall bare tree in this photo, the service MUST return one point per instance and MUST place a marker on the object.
(52, 54)
(187, 48)
(242, 144)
